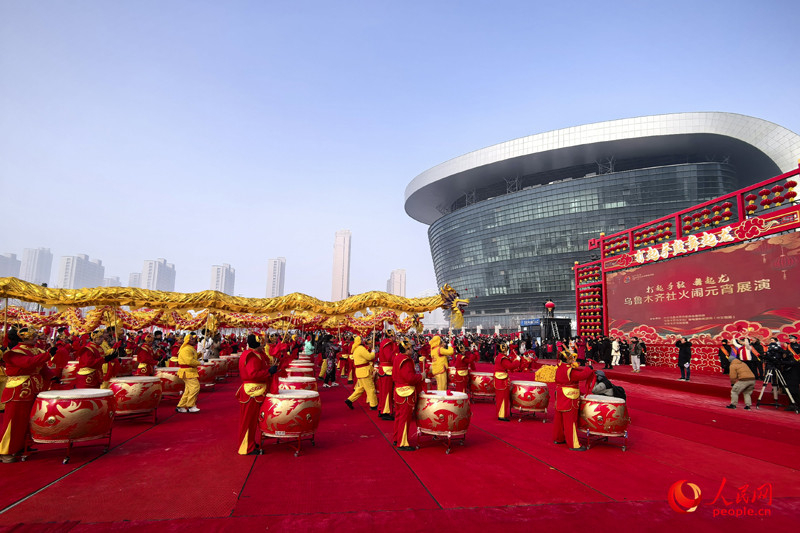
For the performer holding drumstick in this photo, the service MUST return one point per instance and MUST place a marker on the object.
(568, 393)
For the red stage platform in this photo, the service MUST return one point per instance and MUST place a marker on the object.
(183, 474)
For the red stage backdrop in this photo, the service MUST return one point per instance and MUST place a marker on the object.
(751, 288)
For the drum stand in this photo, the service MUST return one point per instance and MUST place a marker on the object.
(775, 377)
(447, 441)
(126, 416)
(603, 437)
(473, 397)
(64, 461)
(529, 413)
(291, 441)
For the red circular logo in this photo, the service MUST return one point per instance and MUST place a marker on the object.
(679, 502)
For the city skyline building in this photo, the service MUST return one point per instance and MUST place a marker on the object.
(341, 265)
(9, 266)
(135, 280)
(80, 272)
(276, 276)
(113, 281)
(37, 264)
(158, 275)
(507, 222)
(396, 284)
(223, 278)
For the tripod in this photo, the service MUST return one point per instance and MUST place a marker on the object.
(773, 375)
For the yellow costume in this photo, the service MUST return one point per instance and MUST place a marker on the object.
(187, 360)
(439, 362)
(361, 360)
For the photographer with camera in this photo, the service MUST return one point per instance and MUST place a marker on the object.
(778, 363)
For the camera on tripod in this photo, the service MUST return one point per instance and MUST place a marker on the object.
(774, 355)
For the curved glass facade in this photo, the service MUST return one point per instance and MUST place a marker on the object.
(509, 254)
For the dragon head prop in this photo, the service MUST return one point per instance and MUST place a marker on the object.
(454, 304)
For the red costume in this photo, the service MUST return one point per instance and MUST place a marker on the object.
(61, 357)
(503, 364)
(28, 375)
(463, 362)
(146, 358)
(256, 381)
(279, 352)
(568, 394)
(90, 364)
(386, 355)
(405, 380)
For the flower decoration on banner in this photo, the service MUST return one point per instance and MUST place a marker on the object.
(744, 328)
(752, 228)
(788, 330)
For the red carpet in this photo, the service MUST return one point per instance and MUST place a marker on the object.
(183, 474)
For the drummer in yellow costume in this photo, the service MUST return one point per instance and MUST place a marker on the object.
(362, 358)
(188, 362)
(439, 362)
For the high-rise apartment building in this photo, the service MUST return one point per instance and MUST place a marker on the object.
(223, 278)
(79, 272)
(9, 266)
(113, 281)
(36, 265)
(276, 274)
(135, 280)
(341, 266)
(158, 275)
(397, 282)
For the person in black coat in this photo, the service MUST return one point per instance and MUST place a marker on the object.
(724, 351)
(684, 358)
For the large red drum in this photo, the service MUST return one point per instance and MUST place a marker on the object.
(301, 364)
(233, 364)
(136, 394)
(481, 384)
(207, 375)
(444, 413)
(451, 376)
(531, 396)
(127, 366)
(220, 368)
(290, 413)
(297, 383)
(73, 415)
(603, 415)
(171, 384)
(70, 370)
(297, 372)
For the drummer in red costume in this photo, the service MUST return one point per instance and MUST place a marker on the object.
(386, 355)
(146, 357)
(279, 352)
(256, 373)
(503, 364)
(28, 375)
(62, 352)
(406, 380)
(90, 363)
(568, 393)
(463, 362)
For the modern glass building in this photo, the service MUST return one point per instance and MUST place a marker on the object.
(508, 222)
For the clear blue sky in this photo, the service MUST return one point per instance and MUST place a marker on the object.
(207, 132)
